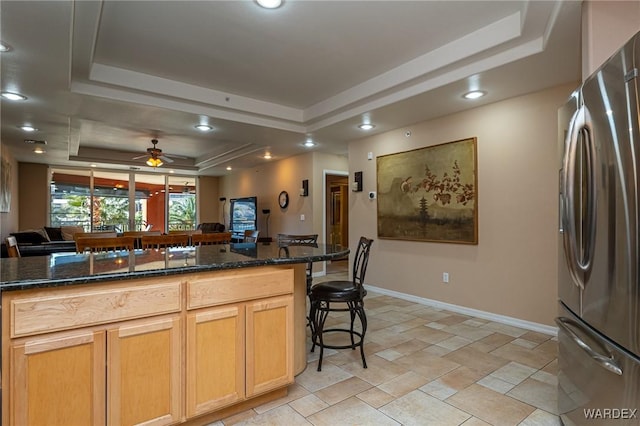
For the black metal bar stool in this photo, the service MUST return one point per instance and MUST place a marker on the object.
(352, 294)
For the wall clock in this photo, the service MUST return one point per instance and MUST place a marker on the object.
(283, 199)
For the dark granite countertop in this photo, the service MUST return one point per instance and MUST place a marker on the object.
(62, 269)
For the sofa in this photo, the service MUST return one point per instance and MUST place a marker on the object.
(45, 241)
(209, 227)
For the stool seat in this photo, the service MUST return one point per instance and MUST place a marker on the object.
(337, 291)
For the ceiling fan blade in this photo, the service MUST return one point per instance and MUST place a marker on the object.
(175, 156)
(165, 158)
(140, 156)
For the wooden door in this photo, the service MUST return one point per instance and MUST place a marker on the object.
(269, 344)
(58, 379)
(215, 358)
(144, 372)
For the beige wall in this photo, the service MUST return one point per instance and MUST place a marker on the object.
(34, 203)
(9, 221)
(606, 26)
(266, 182)
(513, 269)
(208, 199)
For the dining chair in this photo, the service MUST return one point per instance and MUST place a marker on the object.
(97, 244)
(250, 236)
(12, 247)
(350, 293)
(163, 241)
(212, 238)
(137, 236)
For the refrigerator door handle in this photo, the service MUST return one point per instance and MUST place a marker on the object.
(579, 258)
(605, 361)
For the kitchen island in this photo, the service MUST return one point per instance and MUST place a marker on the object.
(152, 336)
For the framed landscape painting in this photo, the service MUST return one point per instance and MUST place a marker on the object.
(429, 194)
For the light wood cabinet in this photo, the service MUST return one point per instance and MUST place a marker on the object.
(215, 358)
(269, 344)
(144, 372)
(58, 379)
(148, 351)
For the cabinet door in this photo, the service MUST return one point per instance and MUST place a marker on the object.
(269, 344)
(58, 380)
(144, 370)
(215, 358)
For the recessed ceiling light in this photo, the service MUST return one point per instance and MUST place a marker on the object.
(38, 150)
(228, 167)
(309, 143)
(474, 94)
(171, 171)
(14, 96)
(203, 127)
(267, 156)
(366, 126)
(94, 165)
(4, 47)
(269, 4)
(28, 128)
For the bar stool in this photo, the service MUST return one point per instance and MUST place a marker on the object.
(352, 294)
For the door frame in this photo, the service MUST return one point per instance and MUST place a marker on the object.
(325, 173)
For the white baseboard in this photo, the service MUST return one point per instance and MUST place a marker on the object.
(503, 319)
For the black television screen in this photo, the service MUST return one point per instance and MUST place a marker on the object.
(244, 214)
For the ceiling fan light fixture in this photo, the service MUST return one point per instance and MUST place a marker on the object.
(28, 128)
(203, 127)
(154, 162)
(309, 143)
(269, 4)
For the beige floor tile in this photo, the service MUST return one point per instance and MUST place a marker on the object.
(294, 392)
(436, 325)
(379, 370)
(375, 397)
(541, 418)
(474, 421)
(453, 319)
(431, 314)
(513, 373)
(491, 342)
(308, 405)
(427, 334)
(403, 384)
(418, 408)
(509, 330)
(238, 418)
(543, 376)
(389, 354)
(550, 347)
(313, 380)
(531, 357)
(468, 332)
(437, 350)
(460, 378)
(388, 338)
(482, 362)
(524, 343)
(496, 384)
(411, 346)
(453, 343)
(283, 415)
(490, 406)
(438, 390)
(427, 365)
(343, 390)
(552, 367)
(475, 322)
(533, 336)
(352, 411)
(538, 394)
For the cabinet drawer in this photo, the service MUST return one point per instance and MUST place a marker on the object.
(71, 309)
(238, 285)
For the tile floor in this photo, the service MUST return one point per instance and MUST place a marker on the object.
(425, 367)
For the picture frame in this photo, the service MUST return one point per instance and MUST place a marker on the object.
(5, 184)
(429, 194)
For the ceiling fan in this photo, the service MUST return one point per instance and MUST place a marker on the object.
(156, 157)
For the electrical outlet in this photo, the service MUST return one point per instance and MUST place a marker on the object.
(445, 277)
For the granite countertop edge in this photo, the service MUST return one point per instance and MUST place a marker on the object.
(131, 275)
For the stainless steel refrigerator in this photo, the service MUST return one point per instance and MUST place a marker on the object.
(599, 281)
